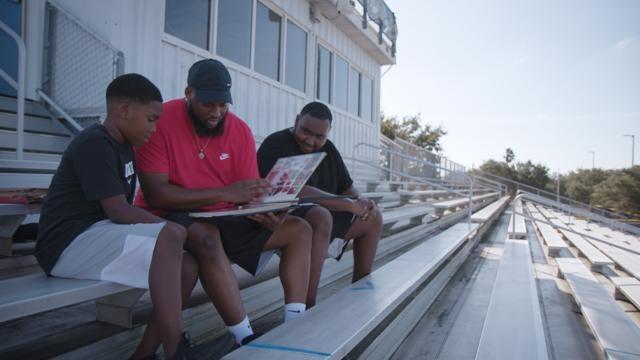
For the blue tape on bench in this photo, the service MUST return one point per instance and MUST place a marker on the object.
(286, 348)
(368, 286)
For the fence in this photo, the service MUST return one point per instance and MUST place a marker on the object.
(78, 66)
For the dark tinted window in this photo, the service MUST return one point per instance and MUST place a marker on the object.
(188, 20)
(296, 60)
(367, 98)
(267, 58)
(323, 87)
(341, 83)
(354, 92)
(234, 30)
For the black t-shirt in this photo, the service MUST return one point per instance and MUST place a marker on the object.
(93, 167)
(331, 175)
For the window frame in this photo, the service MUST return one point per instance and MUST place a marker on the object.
(281, 41)
(211, 23)
(317, 73)
(306, 54)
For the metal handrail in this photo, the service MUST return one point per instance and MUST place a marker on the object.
(424, 180)
(576, 212)
(59, 110)
(19, 85)
(557, 196)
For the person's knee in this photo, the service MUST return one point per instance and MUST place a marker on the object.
(204, 243)
(321, 221)
(377, 221)
(298, 231)
(174, 235)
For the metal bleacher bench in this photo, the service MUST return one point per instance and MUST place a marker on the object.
(513, 327)
(520, 229)
(598, 260)
(443, 206)
(487, 212)
(627, 288)
(615, 331)
(11, 216)
(552, 238)
(337, 325)
(414, 214)
(31, 294)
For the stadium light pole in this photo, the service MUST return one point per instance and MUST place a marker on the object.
(633, 146)
(593, 159)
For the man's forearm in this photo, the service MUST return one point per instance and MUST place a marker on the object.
(339, 204)
(173, 197)
(129, 214)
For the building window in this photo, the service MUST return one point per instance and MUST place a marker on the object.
(267, 58)
(341, 83)
(296, 58)
(323, 90)
(366, 98)
(234, 30)
(188, 20)
(354, 92)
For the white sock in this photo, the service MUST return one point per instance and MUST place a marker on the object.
(241, 330)
(293, 310)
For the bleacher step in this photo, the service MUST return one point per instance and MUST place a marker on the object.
(513, 327)
(358, 309)
(617, 334)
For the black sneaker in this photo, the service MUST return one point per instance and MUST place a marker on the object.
(148, 357)
(250, 338)
(185, 348)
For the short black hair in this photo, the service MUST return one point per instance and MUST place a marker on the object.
(317, 110)
(133, 87)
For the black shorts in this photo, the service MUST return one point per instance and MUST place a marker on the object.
(243, 239)
(342, 220)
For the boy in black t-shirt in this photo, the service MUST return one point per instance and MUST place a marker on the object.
(89, 230)
(345, 218)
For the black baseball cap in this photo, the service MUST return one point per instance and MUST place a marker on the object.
(211, 81)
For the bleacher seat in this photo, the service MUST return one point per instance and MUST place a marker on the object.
(334, 327)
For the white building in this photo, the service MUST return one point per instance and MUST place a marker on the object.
(281, 53)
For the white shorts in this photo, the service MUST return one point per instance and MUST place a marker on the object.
(119, 253)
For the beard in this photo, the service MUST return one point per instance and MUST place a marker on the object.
(199, 126)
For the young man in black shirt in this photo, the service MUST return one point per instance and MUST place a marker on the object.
(336, 220)
(88, 228)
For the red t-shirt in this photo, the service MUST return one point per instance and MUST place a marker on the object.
(172, 150)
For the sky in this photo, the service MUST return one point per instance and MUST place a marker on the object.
(554, 80)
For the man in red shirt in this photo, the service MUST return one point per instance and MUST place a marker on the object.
(201, 158)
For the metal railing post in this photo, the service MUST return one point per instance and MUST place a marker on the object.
(19, 85)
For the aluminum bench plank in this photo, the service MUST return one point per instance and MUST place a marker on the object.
(551, 237)
(520, 229)
(513, 327)
(629, 287)
(616, 333)
(487, 212)
(335, 326)
(626, 259)
(596, 257)
(31, 294)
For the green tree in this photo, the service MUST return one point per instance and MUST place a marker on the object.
(619, 191)
(499, 168)
(509, 156)
(535, 175)
(412, 129)
(581, 183)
